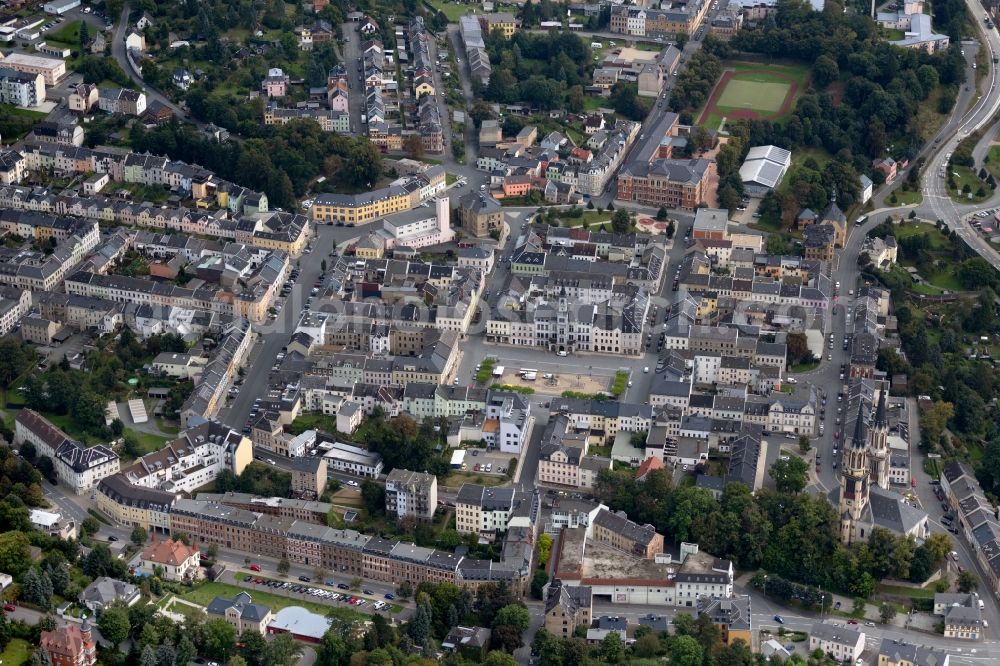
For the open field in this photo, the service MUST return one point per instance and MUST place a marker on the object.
(16, 653)
(754, 90)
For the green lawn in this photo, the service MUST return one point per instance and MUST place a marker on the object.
(804, 367)
(26, 113)
(962, 176)
(16, 652)
(589, 217)
(452, 10)
(905, 198)
(147, 442)
(909, 229)
(206, 592)
(313, 421)
(903, 591)
(595, 103)
(893, 35)
(456, 479)
(993, 161)
(69, 34)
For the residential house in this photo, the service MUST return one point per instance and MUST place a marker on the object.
(70, 645)
(104, 591)
(567, 608)
(240, 611)
(176, 560)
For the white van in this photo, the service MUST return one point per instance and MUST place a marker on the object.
(596, 45)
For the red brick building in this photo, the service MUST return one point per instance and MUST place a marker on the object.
(72, 645)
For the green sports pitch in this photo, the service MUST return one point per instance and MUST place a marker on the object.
(753, 95)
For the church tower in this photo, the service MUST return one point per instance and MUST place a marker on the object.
(854, 482)
(879, 445)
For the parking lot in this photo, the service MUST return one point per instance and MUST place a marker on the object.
(552, 383)
(485, 461)
(985, 222)
(302, 590)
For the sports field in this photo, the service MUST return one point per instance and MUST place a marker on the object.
(752, 90)
(753, 95)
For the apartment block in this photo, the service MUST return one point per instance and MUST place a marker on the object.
(410, 494)
(79, 467)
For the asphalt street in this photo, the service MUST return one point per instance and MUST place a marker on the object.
(121, 57)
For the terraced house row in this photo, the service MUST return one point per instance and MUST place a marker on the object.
(279, 534)
(127, 167)
(287, 232)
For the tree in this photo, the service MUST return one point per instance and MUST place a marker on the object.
(139, 535)
(796, 347)
(413, 146)
(419, 626)
(661, 214)
(967, 582)
(791, 475)
(15, 358)
(33, 590)
(505, 637)
(685, 651)
(282, 651)
(90, 526)
(514, 615)
(220, 640)
(886, 612)
(976, 273)
(15, 554)
(84, 33)
(621, 222)
(114, 623)
(254, 648)
(538, 582)
(186, 651)
(4, 631)
(825, 71)
(332, 649)
(544, 548)
(858, 606)
(612, 650)
(283, 566)
(373, 497)
(498, 658)
(804, 444)
(148, 656)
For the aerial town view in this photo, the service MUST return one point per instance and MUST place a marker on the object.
(501, 332)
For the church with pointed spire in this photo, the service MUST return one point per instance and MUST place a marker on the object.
(866, 500)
